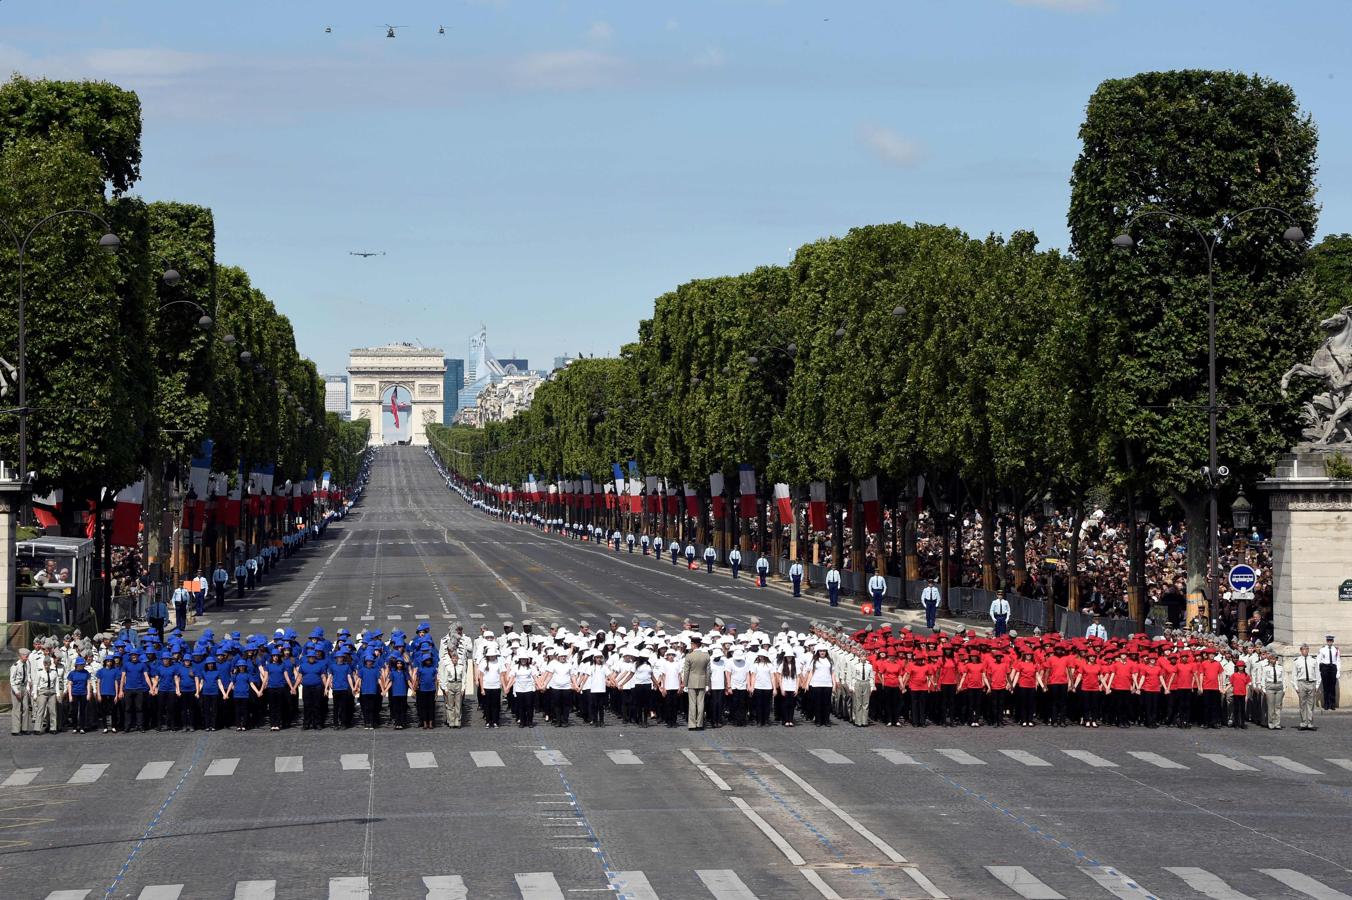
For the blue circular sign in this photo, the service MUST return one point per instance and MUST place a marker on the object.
(1243, 577)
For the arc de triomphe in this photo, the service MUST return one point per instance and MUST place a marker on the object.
(419, 372)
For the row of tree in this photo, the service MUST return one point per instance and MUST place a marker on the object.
(122, 379)
(986, 373)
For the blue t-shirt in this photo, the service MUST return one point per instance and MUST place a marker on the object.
(276, 674)
(340, 671)
(399, 682)
(136, 676)
(79, 682)
(210, 687)
(312, 673)
(108, 677)
(427, 678)
(370, 679)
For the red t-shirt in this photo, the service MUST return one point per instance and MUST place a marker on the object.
(1211, 675)
(973, 672)
(1089, 676)
(888, 672)
(1058, 670)
(917, 676)
(948, 671)
(999, 674)
(1027, 672)
(1151, 677)
(1239, 683)
(1121, 671)
(1183, 681)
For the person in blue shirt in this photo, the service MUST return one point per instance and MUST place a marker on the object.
(312, 672)
(338, 685)
(277, 682)
(239, 688)
(396, 688)
(166, 696)
(77, 694)
(369, 677)
(209, 691)
(291, 668)
(108, 690)
(129, 635)
(427, 692)
(135, 686)
(184, 686)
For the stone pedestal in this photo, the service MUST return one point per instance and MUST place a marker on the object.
(1311, 548)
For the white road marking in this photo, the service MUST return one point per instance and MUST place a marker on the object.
(223, 766)
(21, 777)
(340, 618)
(445, 887)
(68, 895)
(538, 886)
(1092, 759)
(160, 892)
(552, 758)
(354, 761)
(153, 771)
(624, 758)
(1341, 763)
(88, 774)
(633, 886)
(476, 615)
(351, 888)
(255, 890)
(792, 855)
(1227, 762)
(1291, 765)
(1162, 762)
(961, 757)
(421, 760)
(897, 758)
(832, 757)
(724, 884)
(1028, 759)
(1305, 884)
(288, 764)
(1117, 884)
(1206, 884)
(485, 758)
(1024, 883)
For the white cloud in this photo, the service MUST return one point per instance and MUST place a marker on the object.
(1074, 6)
(566, 69)
(711, 58)
(890, 147)
(600, 32)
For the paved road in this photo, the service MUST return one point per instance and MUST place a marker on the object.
(731, 814)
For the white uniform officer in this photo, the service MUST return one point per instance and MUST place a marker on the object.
(689, 554)
(929, 598)
(999, 613)
(629, 539)
(833, 585)
(645, 544)
(710, 556)
(1330, 670)
(762, 570)
(735, 560)
(1306, 673)
(796, 576)
(657, 547)
(616, 538)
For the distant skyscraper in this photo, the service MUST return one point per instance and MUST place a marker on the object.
(450, 394)
(335, 395)
(522, 366)
(561, 361)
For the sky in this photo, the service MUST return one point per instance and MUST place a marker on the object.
(548, 168)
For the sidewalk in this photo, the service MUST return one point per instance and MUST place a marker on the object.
(912, 618)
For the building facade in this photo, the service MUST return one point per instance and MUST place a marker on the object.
(450, 389)
(335, 396)
(405, 376)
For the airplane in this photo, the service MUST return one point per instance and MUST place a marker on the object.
(365, 253)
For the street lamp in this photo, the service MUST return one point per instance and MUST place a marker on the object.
(1241, 513)
(245, 356)
(1210, 236)
(109, 243)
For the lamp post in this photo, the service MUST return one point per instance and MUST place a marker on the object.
(1241, 515)
(1210, 236)
(109, 243)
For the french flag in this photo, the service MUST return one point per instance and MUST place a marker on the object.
(46, 508)
(691, 502)
(619, 477)
(127, 515)
(868, 492)
(716, 494)
(746, 475)
(816, 506)
(783, 503)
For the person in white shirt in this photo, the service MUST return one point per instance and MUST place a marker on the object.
(762, 570)
(710, 557)
(1096, 630)
(643, 688)
(1271, 680)
(821, 681)
(669, 686)
(520, 681)
(657, 548)
(718, 686)
(999, 613)
(1330, 670)
(877, 589)
(786, 685)
(1305, 672)
(796, 576)
(762, 687)
(488, 679)
(593, 673)
(929, 599)
(833, 585)
(451, 684)
(735, 561)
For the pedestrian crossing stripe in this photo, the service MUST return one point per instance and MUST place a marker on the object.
(727, 884)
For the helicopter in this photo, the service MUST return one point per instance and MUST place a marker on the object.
(365, 253)
(389, 29)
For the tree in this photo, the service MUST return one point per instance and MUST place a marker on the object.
(1247, 144)
(1331, 266)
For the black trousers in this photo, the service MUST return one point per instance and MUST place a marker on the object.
(1328, 674)
(315, 713)
(220, 593)
(561, 703)
(1089, 705)
(79, 712)
(787, 704)
(737, 704)
(211, 710)
(370, 710)
(595, 707)
(342, 709)
(919, 700)
(492, 703)
(821, 705)
(713, 708)
(1212, 708)
(525, 709)
(427, 707)
(1239, 707)
(134, 709)
(276, 706)
(948, 694)
(670, 705)
(242, 711)
(1025, 699)
(1058, 692)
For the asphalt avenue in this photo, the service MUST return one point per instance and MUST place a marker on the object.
(732, 814)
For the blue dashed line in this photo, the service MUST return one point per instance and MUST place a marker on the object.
(131, 857)
(611, 874)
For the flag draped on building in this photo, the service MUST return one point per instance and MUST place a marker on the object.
(691, 502)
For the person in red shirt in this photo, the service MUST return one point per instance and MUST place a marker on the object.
(1027, 678)
(1120, 689)
(887, 673)
(1089, 689)
(948, 685)
(1184, 690)
(1058, 685)
(1239, 687)
(1150, 684)
(972, 688)
(997, 687)
(920, 678)
(1209, 680)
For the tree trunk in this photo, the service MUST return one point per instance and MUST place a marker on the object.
(988, 579)
(837, 535)
(1020, 554)
(1073, 586)
(1194, 511)
(857, 542)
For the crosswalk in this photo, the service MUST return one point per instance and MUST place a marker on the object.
(153, 770)
(1096, 881)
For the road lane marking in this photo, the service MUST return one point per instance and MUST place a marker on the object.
(445, 887)
(160, 892)
(485, 758)
(288, 764)
(21, 777)
(153, 771)
(962, 757)
(624, 757)
(633, 886)
(897, 757)
(724, 884)
(1117, 884)
(255, 890)
(223, 766)
(792, 855)
(1092, 759)
(552, 758)
(1227, 762)
(1206, 884)
(1161, 762)
(538, 886)
(1024, 883)
(88, 774)
(1305, 884)
(421, 760)
(1291, 765)
(350, 888)
(1023, 756)
(355, 761)
(832, 757)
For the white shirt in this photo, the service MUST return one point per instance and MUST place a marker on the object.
(710, 553)
(595, 678)
(833, 576)
(491, 673)
(764, 676)
(1097, 630)
(877, 583)
(821, 673)
(737, 673)
(930, 596)
(1306, 668)
(1270, 674)
(718, 674)
(734, 555)
(669, 670)
(643, 673)
(796, 570)
(999, 607)
(1329, 656)
(523, 680)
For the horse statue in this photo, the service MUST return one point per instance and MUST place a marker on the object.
(1327, 414)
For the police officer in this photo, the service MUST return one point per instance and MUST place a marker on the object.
(180, 607)
(646, 543)
(616, 539)
(629, 539)
(929, 598)
(158, 611)
(241, 573)
(735, 560)
(251, 571)
(1096, 630)
(710, 555)
(199, 593)
(796, 576)
(674, 548)
(999, 613)
(1330, 670)
(833, 585)
(877, 589)
(219, 579)
(657, 548)
(762, 570)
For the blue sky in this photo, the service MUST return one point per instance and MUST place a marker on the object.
(548, 168)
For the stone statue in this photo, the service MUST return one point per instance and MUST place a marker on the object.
(1328, 415)
(9, 378)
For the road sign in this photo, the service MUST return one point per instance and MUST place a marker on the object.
(1243, 578)
(1345, 590)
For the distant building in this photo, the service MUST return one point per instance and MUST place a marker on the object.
(561, 362)
(501, 400)
(481, 370)
(335, 395)
(455, 379)
(398, 388)
(522, 366)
